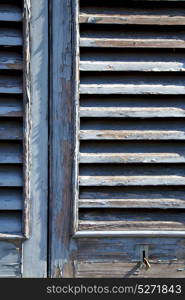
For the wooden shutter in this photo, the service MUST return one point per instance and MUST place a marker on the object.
(11, 137)
(131, 114)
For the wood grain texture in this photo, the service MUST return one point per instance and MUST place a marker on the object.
(10, 37)
(10, 153)
(11, 198)
(10, 259)
(10, 13)
(61, 161)
(10, 60)
(34, 258)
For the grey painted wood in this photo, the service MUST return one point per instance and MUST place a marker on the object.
(11, 198)
(10, 13)
(10, 259)
(61, 142)
(34, 258)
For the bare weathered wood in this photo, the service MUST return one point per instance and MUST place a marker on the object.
(131, 158)
(158, 89)
(131, 203)
(131, 135)
(132, 112)
(10, 13)
(10, 37)
(131, 180)
(114, 269)
(139, 17)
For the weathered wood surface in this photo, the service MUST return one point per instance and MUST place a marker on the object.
(120, 257)
(10, 84)
(10, 259)
(11, 199)
(128, 112)
(131, 203)
(34, 259)
(131, 135)
(10, 153)
(10, 37)
(61, 151)
(10, 106)
(10, 60)
(11, 130)
(149, 17)
(11, 176)
(11, 222)
(10, 13)
(131, 43)
(133, 88)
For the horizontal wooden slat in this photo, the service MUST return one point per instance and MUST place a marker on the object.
(10, 153)
(10, 222)
(131, 180)
(132, 158)
(10, 60)
(114, 269)
(132, 203)
(134, 16)
(11, 107)
(132, 112)
(130, 43)
(10, 253)
(11, 84)
(131, 66)
(11, 176)
(131, 135)
(11, 130)
(134, 89)
(11, 199)
(10, 37)
(10, 13)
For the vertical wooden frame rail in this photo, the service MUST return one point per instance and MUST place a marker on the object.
(61, 137)
(34, 257)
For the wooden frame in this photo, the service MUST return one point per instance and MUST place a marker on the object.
(34, 259)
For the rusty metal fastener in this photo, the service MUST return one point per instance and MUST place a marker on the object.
(146, 262)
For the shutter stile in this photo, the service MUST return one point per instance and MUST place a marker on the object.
(131, 113)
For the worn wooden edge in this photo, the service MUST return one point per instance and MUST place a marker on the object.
(26, 116)
(76, 80)
(4, 236)
(34, 254)
(130, 233)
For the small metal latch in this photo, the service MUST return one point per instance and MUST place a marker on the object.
(144, 257)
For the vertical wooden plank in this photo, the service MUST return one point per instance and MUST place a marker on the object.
(35, 248)
(61, 122)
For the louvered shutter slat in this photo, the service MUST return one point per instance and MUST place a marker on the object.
(131, 110)
(11, 118)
